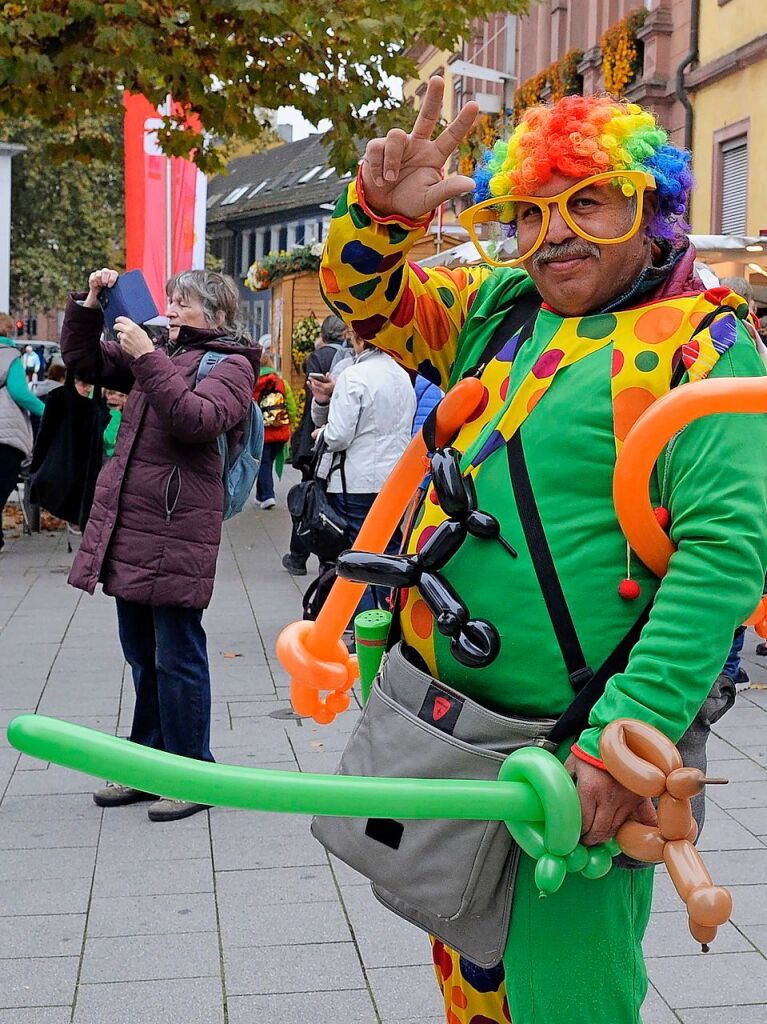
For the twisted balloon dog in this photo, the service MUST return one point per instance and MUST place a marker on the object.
(646, 762)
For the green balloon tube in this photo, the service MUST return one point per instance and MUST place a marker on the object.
(371, 629)
(260, 789)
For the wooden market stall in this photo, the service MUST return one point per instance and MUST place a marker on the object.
(296, 296)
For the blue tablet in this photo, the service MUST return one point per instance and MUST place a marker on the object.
(129, 297)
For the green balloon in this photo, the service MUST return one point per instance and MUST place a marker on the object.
(613, 847)
(557, 792)
(528, 836)
(578, 859)
(550, 873)
(261, 789)
(599, 863)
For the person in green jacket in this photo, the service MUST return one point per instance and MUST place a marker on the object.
(17, 403)
(579, 219)
(115, 403)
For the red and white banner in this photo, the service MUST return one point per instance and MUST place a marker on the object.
(151, 221)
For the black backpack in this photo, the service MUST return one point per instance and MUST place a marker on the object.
(322, 531)
(317, 592)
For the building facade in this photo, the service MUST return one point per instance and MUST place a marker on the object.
(564, 46)
(574, 38)
(729, 120)
(272, 201)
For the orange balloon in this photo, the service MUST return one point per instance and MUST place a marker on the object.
(312, 652)
(647, 763)
(705, 936)
(674, 817)
(654, 428)
(687, 870)
(709, 905)
(642, 842)
(638, 756)
(761, 628)
(685, 783)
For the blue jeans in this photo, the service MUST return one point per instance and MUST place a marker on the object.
(355, 508)
(732, 664)
(165, 648)
(265, 480)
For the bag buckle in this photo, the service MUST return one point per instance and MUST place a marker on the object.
(581, 677)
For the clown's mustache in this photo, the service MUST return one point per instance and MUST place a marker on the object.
(574, 248)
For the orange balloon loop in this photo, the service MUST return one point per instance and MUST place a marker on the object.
(636, 460)
(312, 653)
(638, 756)
(647, 763)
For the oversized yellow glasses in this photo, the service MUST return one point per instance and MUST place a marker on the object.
(605, 208)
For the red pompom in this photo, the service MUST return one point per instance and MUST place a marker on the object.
(716, 295)
(629, 590)
(663, 516)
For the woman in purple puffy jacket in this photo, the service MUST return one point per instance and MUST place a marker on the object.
(155, 525)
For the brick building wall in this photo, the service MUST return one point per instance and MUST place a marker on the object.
(554, 27)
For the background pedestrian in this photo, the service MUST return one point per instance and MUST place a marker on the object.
(274, 396)
(369, 427)
(17, 404)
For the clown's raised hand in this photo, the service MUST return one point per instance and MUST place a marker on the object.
(402, 173)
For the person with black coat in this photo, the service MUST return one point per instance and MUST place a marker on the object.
(329, 346)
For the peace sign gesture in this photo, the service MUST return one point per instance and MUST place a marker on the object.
(402, 173)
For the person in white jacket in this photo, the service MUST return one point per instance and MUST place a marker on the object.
(368, 428)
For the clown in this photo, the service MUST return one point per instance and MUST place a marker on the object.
(587, 308)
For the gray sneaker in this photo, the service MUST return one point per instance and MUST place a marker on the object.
(113, 795)
(165, 809)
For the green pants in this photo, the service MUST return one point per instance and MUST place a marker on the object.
(576, 957)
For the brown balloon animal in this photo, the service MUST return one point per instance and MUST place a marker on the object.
(647, 763)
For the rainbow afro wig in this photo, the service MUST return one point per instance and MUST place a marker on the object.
(584, 135)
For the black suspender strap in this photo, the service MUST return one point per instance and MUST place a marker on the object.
(543, 563)
(588, 685)
(575, 718)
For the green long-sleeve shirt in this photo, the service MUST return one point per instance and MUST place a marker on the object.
(18, 388)
(715, 487)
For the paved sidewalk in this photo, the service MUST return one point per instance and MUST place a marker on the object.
(237, 918)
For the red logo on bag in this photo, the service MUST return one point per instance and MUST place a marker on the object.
(441, 707)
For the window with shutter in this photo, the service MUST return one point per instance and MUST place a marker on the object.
(734, 193)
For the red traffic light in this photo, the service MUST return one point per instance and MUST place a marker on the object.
(19, 328)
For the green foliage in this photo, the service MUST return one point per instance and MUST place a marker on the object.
(224, 60)
(67, 217)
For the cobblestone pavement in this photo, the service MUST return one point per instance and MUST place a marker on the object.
(241, 917)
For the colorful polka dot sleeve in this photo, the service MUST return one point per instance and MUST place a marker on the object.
(414, 314)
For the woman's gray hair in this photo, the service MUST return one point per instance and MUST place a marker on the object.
(216, 293)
